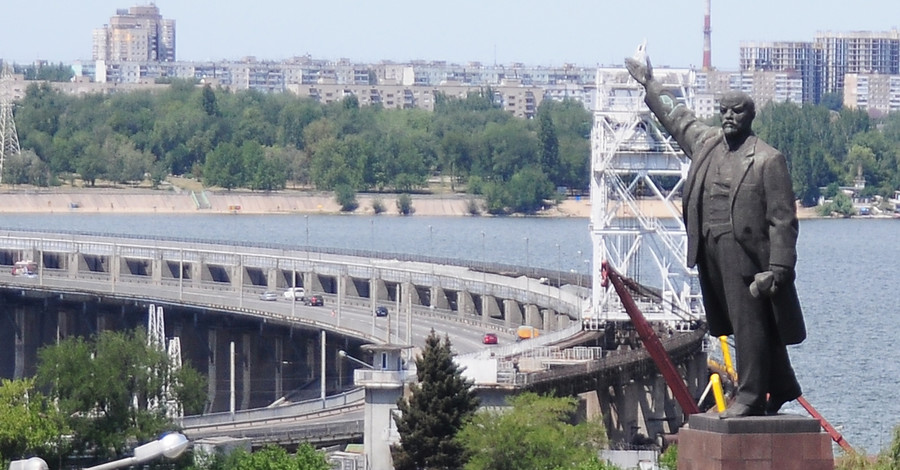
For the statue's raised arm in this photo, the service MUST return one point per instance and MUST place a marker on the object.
(679, 121)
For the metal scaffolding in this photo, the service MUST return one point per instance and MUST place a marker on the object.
(9, 139)
(637, 173)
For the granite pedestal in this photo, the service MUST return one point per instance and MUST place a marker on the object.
(781, 442)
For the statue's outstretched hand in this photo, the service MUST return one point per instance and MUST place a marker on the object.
(642, 71)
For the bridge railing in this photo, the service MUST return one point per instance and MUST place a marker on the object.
(266, 414)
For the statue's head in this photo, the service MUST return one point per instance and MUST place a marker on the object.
(737, 110)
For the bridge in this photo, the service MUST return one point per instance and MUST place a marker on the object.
(224, 281)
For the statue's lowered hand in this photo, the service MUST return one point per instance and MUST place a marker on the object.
(763, 285)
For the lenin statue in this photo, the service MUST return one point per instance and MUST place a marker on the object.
(741, 219)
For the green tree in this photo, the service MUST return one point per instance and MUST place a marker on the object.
(549, 154)
(29, 423)
(273, 457)
(224, 167)
(438, 406)
(107, 387)
(346, 197)
(537, 431)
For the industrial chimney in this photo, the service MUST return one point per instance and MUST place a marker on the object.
(707, 32)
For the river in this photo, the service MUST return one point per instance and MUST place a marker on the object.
(848, 366)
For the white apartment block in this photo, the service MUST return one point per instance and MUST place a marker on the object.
(137, 34)
(857, 52)
(877, 94)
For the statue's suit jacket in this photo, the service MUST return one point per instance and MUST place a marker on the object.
(763, 212)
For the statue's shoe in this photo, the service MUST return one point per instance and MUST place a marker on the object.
(740, 410)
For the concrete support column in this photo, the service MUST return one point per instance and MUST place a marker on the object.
(349, 286)
(412, 294)
(75, 263)
(237, 274)
(311, 283)
(211, 337)
(464, 303)
(19, 370)
(548, 320)
(196, 270)
(272, 279)
(156, 270)
(533, 316)
(512, 313)
(279, 365)
(489, 307)
(377, 290)
(246, 372)
(439, 298)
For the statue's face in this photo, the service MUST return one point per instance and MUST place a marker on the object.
(737, 115)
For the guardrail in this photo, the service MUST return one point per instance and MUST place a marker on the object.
(307, 407)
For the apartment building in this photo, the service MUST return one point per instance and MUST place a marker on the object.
(857, 52)
(135, 34)
(876, 93)
(798, 59)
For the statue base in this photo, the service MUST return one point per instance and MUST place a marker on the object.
(781, 442)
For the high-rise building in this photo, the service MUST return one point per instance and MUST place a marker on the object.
(796, 58)
(137, 34)
(857, 52)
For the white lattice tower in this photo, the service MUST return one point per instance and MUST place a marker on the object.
(173, 406)
(9, 139)
(637, 172)
(156, 339)
(156, 328)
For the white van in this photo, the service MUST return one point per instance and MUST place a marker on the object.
(295, 293)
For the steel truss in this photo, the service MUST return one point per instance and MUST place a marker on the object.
(637, 173)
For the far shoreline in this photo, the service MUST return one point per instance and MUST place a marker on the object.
(179, 201)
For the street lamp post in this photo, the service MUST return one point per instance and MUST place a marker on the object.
(170, 446)
(306, 218)
(344, 354)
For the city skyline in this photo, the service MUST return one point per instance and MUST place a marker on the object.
(581, 32)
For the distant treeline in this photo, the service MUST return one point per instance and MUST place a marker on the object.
(267, 142)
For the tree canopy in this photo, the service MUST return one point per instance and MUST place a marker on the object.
(438, 406)
(112, 389)
(535, 434)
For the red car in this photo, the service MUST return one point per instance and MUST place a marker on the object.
(489, 338)
(315, 300)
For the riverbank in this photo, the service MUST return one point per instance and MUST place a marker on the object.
(181, 201)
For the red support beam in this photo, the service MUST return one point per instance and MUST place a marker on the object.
(651, 342)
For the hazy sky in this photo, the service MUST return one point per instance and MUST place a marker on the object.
(548, 32)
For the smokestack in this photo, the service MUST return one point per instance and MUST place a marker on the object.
(707, 33)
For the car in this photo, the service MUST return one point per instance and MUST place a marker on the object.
(314, 300)
(489, 338)
(381, 311)
(295, 293)
(268, 295)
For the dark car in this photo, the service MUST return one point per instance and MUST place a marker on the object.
(489, 338)
(381, 311)
(314, 300)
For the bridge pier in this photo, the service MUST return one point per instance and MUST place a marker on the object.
(439, 298)
(465, 304)
(490, 308)
(211, 373)
(512, 313)
(533, 316)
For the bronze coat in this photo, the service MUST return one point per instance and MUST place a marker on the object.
(763, 212)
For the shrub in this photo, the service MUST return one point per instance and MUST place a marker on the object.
(346, 197)
(404, 204)
(378, 206)
(472, 207)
